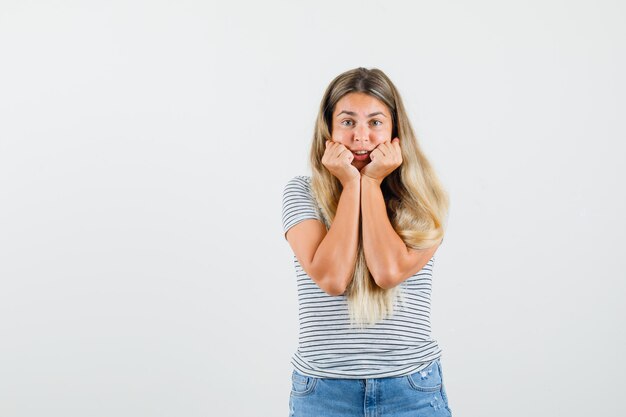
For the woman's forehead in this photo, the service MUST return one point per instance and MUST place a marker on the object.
(360, 104)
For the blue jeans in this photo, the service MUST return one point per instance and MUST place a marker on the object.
(419, 394)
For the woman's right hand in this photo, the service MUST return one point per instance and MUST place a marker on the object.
(338, 160)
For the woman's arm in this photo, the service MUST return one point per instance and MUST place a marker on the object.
(329, 257)
(387, 257)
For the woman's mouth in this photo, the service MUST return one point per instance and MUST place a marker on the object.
(361, 156)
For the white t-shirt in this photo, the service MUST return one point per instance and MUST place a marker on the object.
(328, 348)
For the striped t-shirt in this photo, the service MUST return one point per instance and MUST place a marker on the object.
(328, 348)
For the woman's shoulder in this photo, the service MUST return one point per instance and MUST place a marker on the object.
(300, 181)
(306, 178)
(298, 202)
(298, 188)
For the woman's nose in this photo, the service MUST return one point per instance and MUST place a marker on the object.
(361, 134)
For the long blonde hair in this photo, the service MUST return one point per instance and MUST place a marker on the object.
(416, 202)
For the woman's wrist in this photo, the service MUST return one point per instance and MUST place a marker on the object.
(351, 182)
(365, 179)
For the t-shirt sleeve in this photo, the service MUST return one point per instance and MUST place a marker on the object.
(298, 203)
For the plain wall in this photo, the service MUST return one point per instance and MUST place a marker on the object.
(144, 147)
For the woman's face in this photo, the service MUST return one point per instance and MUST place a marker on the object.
(361, 122)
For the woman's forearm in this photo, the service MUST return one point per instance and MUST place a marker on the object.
(384, 250)
(335, 257)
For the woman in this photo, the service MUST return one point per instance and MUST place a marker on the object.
(364, 229)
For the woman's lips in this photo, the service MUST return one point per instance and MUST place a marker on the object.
(362, 157)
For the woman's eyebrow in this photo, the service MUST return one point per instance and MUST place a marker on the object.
(351, 113)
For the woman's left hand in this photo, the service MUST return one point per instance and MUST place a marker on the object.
(386, 157)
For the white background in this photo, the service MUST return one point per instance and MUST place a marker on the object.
(144, 147)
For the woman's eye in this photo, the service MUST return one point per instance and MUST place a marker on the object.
(346, 121)
(377, 121)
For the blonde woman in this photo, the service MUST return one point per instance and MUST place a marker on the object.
(364, 228)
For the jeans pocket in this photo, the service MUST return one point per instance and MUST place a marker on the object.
(426, 380)
(302, 385)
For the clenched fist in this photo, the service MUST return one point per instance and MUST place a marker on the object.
(385, 159)
(338, 160)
